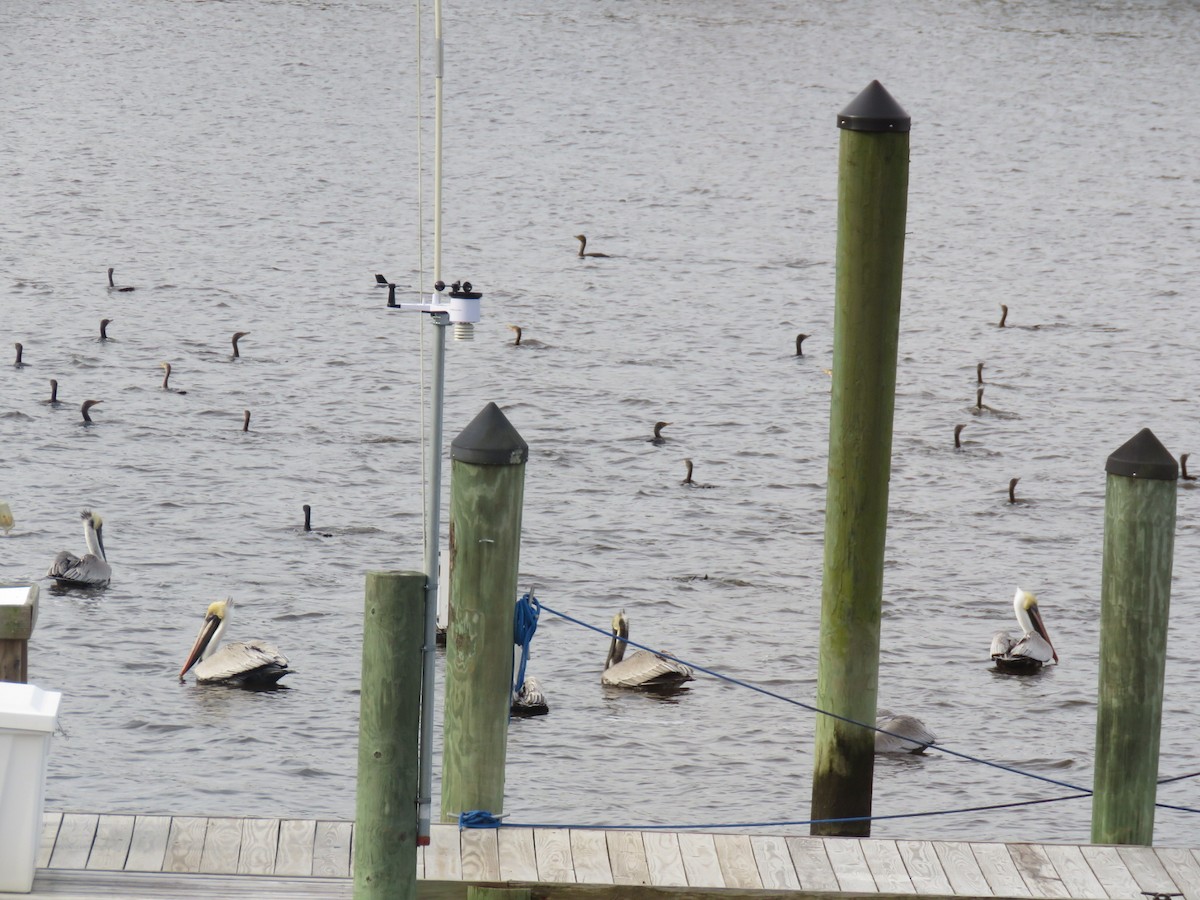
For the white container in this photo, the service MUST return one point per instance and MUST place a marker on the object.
(28, 716)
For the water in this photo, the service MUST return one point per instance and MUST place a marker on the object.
(250, 166)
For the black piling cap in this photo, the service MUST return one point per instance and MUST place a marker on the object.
(1142, 456)
(490, 440)
(874, 110)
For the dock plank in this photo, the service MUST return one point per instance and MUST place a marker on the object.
(111, 846)
(627, 858)
(775, 867)
(63, 884)
(589, 857)
(443, 856)
(699, 852)
(736, 858)
(1184, 869)
(148, 846)
(50, 823)
(185, 844)
(297, 841)
(887, 867)
(924, 867)
(552, 847)
(958, 862)
(850, 865)
(1000, 870)
(1038, 871)
(1147, 870)
(480, 854)
(1110, 871)
(812, 864)
(518, 860)
(260, 842)
(664, 859)
(331, 849)
(1076, 874)
(74, 844)
(222, 843)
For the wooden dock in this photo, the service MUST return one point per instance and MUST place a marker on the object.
(90, 856)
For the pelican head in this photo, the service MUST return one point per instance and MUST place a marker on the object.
(620, 631)
(93, 528)
(209, 638)
(1025, 605)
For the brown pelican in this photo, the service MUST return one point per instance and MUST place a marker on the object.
(1033, 649)
(517, 342)
(252, 664)
(1003, 314)
(104, 323)
(658, 439)
(957, 436)
(583, 246)
(1183, 458)
(88, 404)
(246, 420)
(237, 337)
(530, 700)
(6, 517)
(800, 340)
(979, 373)
(167, 378)
(1012, 490)
(53, 401)
(908, 734)
(114, 287)
(20, 349)
(642, 669)
(90, 570)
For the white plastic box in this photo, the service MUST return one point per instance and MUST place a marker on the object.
(28, 716)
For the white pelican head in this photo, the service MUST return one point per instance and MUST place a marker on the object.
(1025, 605)
(215, 621)
(93, 532)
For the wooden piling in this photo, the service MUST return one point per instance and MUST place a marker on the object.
(872, 208)
(1135, 595)
(18, 615)
(487, 488)
(385, 838)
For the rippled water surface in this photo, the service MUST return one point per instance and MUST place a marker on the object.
(249, 167)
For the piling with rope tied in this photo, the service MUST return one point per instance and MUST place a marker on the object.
(487, 489)
(1135, 595)
(872, 210)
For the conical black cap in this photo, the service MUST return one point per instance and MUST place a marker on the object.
(490, 440)
(874, 110)
(1142, 456)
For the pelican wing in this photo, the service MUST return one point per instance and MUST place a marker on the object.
(530, 700)
(251, 663)
(1033, 646)
(85, 571)
(908, 734)
(1002, 643)
(646, 670)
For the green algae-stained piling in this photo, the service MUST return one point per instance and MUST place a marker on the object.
(385, 864)
(872, 208)
(487, 489)
(1135, 597)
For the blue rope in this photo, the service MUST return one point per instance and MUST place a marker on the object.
(525, 619)
(478, 818)
(810, 708)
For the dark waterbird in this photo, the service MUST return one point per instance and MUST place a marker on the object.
(308, 522)
(104, 323)
(53, 401)
(18, 364)
(237, 337)
(957, 436)
(1003, 315)
(979, 373)
(800, 340)
(687, 479)
(87, 405)
(520, 341)
(246, 420)
(582, 238)
(1012, 490)
(658, 438)
(166, 386)
(113, 286)
(1183, 472)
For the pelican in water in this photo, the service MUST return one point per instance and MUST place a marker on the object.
(112, 286)
(642, 669)
(800, 340)
(1183, 458)
(907, 734)
(53, 401)
(1033, 649)
(91, 569)
(104, 323)
(252, 664)
(658, 439)
(237, 337)
(582, 238)
(533, 343)
(87, 405)
(20, 349)
(166, 386)
(530, 700)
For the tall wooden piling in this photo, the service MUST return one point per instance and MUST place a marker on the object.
(487, 489)
(1135, 596)
(385, 835)
(872, 207)
(18, 615)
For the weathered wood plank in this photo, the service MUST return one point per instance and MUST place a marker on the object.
(148, 847)
(51, 884)
(736, 859)
(1146, 870)
(260, 843)
(627, 858)
(50, 823)
(553, 849)
(664, 859)
(924, 867)
(775, 867)
(1111, 871)
(699, 852)
(589, 857)
(443, 856)
(480, 854)
(297, 841)
(1038, 871)
(887, 867)
(74, 844)
(1000, 870)
(331, 849)
(518, 860)
(1076, 874)
(850, 865)
(111, 846)
(185, 844)
(1184, 869)
(958, 862)
(222, 842)
(812, 864)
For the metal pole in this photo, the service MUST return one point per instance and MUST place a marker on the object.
(437, 140)
(433, 503)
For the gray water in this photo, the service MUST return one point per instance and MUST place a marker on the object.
(249, 167)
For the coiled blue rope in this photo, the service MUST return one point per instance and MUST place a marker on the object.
(478, 818)
(525, 619)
